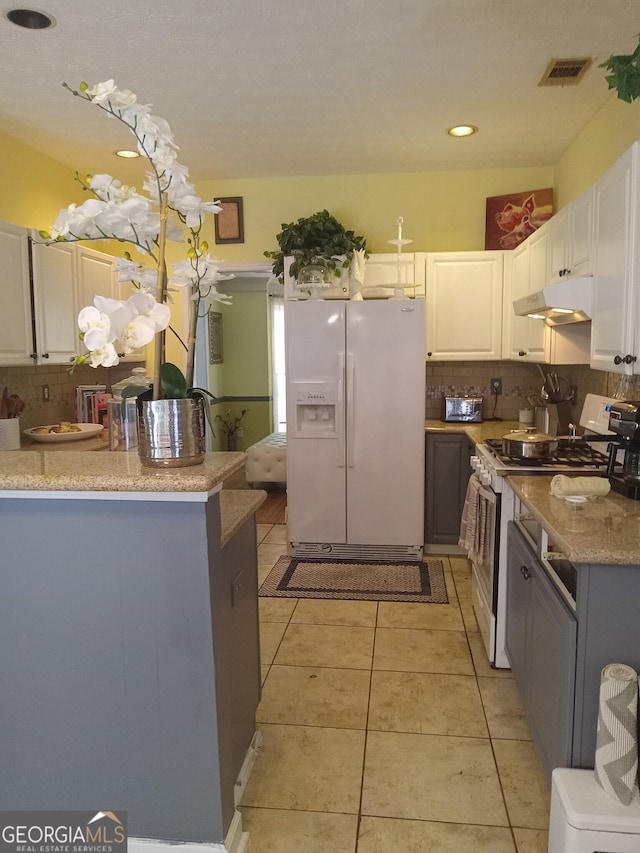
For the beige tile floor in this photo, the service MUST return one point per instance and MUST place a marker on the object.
(385, 729)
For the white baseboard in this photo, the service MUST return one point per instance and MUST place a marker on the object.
(247, 766)
(160, 845)
(237, 840)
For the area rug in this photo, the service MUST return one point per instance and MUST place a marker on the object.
(369, 580)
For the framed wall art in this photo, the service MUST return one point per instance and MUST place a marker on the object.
(229, 223)
(510, 219)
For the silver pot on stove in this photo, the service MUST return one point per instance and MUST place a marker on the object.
(529, 444)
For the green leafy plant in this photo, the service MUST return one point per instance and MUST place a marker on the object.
(316, 236)
(230, 423)
(625, 75)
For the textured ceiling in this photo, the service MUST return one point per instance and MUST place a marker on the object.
(262, 88)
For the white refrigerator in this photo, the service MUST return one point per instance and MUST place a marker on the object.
(355, 428)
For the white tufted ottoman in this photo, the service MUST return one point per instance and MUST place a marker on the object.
(267, 460)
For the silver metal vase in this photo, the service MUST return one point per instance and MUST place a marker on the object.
(171, 433)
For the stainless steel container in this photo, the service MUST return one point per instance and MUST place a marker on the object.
(541, 419)
(171, 433)
(528, 444)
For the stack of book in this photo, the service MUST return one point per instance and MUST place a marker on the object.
(90, 404)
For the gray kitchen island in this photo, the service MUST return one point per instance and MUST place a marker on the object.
(129, 650)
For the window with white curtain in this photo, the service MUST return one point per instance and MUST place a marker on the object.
(277, 357)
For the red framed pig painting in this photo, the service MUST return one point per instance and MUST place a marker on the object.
(510, 219)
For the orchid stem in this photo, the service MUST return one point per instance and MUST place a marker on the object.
(161, 288)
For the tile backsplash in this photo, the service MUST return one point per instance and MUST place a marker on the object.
(28, 382)
(520, 383)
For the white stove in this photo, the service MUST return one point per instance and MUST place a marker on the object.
(497, 506)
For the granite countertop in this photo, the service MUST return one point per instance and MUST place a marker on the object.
(236, 506)
(88, 471)
(602, 530)
(477, 433)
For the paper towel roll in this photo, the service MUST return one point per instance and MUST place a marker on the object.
(616, 761)
(562, 485)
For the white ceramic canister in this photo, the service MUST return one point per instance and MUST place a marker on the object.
(10, 434)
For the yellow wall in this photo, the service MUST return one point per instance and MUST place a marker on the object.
(443, 211)
(604, 139)
(34, 187)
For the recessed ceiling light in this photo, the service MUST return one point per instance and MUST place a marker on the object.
(462, 130)
(127, 154)
(30, 19)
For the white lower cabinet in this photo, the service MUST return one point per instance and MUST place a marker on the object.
(463, 306)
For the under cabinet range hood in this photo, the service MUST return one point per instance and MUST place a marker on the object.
(569, 301)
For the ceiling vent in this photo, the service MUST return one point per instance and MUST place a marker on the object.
(564, 72)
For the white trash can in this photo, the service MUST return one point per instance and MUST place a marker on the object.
(585, 819)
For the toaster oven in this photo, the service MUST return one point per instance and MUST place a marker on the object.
(462, 409)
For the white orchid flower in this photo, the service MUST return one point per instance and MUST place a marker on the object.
(128, 270)
(211, 207)
(101, 91)
(107, 93)
(213, 295)
(119, 212)
(105, 356)
(146, 306)
(92, 318)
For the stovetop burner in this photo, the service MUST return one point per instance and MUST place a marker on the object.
(570, 454)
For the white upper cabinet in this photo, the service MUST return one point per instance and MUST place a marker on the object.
(55, 302)
(464, 306)
(16, 335)
(44, 288)
(616, 319)
(97, 277)
(558, 238)
(580, 249)
(527, 339)
(571, 239)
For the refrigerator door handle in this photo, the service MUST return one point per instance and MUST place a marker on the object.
(340, 412)
(350, 413)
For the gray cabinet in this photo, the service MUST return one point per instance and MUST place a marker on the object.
(557, 655)
(241, 678)
(541, 646)
(447, 474)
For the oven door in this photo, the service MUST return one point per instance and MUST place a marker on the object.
(484, 579)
